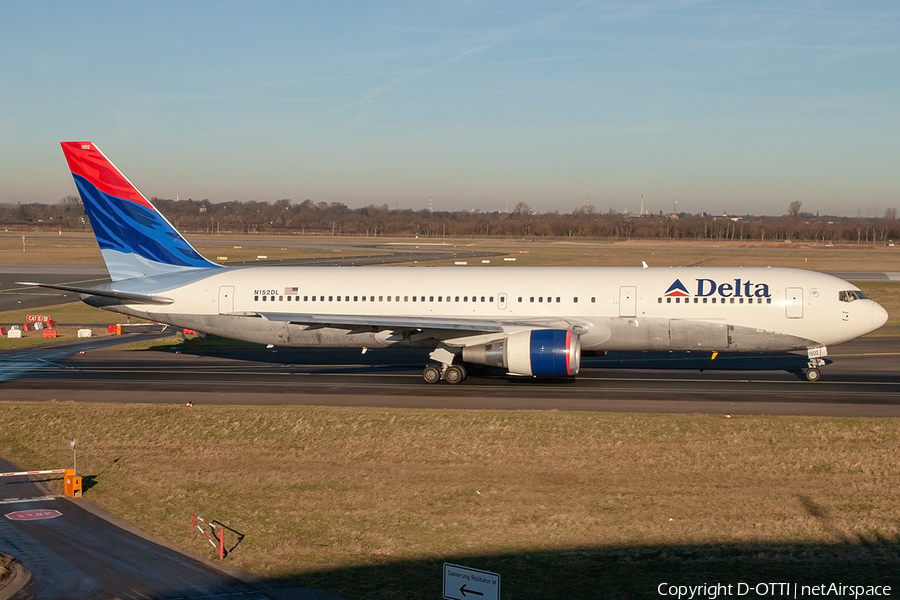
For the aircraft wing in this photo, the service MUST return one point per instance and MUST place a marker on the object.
(382, 322)
(452, 327)
(131, 297)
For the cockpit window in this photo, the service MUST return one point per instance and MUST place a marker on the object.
(851, 295)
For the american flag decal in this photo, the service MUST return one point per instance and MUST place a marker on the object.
(290, 290)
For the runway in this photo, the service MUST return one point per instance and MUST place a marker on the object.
(862, 379)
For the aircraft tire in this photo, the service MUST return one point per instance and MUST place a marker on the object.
(812, 375)
(431, 374)
(455, 374)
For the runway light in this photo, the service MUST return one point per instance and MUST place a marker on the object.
(727, 416)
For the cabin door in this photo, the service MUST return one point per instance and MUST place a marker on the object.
(226, 299)
(628, 301)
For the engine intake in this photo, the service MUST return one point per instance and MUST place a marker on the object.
(538, 352)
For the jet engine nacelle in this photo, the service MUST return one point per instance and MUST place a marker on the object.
(539, 352)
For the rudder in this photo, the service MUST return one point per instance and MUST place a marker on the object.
(135, 239)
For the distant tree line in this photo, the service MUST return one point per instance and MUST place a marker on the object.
(332, 219)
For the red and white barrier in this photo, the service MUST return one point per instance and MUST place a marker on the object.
(216, 540)
(49, 472)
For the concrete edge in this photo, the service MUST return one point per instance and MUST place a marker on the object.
(261, 583)
(87, 505)
(15, 581)
(19, 576)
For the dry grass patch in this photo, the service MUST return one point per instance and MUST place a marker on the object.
(50, 248)
(80, 248)
(323, 489)
(688, 254)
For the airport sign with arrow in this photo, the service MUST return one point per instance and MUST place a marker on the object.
(463, 583)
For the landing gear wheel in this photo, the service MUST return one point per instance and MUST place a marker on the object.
(454, 374)
(431, 374)
(812, 375)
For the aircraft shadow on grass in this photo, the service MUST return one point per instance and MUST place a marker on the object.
(638, 571)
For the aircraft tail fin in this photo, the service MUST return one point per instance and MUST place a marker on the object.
(135, 239)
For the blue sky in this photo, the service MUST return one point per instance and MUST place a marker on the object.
(739, 107)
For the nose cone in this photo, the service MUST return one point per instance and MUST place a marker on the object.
(879, 316)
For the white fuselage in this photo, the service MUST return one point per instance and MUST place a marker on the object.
(721, 309)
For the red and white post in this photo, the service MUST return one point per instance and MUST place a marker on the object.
(216, 540)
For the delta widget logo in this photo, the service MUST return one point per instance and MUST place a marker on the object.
(677, 289)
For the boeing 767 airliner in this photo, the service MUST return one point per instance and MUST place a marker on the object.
(528, 321)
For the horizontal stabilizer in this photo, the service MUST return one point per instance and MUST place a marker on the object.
(131, 297)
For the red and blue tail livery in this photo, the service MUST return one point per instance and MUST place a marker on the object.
(135, 239)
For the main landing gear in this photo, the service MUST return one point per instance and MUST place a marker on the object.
(446, 371)
(452, 374)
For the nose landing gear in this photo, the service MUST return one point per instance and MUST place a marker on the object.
(812, 372)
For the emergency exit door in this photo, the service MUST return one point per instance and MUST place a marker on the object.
(793, 303)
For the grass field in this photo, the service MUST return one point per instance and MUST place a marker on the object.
(367, 503)
(81, 248)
